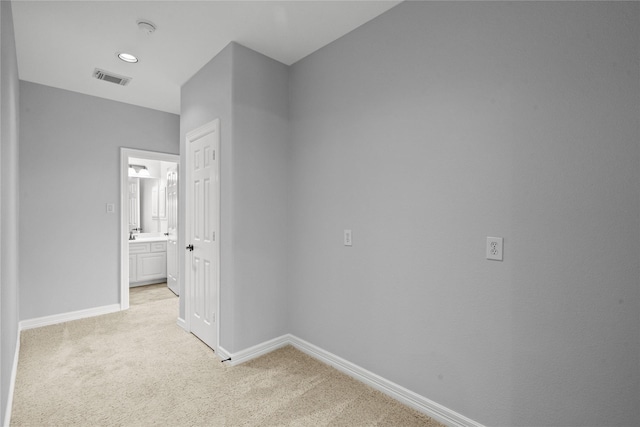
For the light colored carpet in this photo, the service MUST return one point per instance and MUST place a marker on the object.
(138, 368)
(149, 293)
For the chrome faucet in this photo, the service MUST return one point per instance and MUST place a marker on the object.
(131, 236)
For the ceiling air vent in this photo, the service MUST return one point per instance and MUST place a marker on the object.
(108, 76)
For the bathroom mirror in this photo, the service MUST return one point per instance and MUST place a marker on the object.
(150, 205)
(148, 195)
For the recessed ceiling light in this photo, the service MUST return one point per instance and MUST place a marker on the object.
(127, 57)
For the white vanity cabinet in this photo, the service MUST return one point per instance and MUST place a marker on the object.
(147, 263)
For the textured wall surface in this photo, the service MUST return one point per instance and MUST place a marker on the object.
(438, 124)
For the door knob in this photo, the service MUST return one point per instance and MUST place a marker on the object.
(190, 248)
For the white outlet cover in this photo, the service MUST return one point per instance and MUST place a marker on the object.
(494, 248)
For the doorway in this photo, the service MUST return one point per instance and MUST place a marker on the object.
(151, 265)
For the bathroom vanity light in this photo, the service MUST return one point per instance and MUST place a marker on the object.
(139, 171)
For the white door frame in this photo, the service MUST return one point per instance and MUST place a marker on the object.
(194, 134)
(125, 153)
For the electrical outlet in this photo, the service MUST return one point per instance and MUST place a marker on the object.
(347, 238)
(494, 248)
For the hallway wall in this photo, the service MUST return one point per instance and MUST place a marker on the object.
(69, 170)
(9, 279)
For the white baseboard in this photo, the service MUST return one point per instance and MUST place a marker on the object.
(397, 392)
(255, 351)
(223, 354)
(66, 317)
(12, 382)
(182, 323)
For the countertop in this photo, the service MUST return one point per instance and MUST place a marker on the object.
(146, 239)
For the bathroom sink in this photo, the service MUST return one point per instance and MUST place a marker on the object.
(151, 237)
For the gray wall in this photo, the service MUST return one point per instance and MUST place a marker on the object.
(69, 169)
(8, 201)
(424, 131)
(205, 97)
(248, 92)
(441, 123)
(260, 161)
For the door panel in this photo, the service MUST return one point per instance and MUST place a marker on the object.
(203, 204)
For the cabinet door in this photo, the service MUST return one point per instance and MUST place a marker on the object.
(139, 248)
(158, 247)
(151, 266)
(132, 268)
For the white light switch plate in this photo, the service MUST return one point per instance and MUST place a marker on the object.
(111, 208)
(494, 248)
(347, 238)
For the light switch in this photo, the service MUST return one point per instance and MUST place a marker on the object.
(347, 238)
(111, 208)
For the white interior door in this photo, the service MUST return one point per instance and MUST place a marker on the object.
(172, 230)
(203, 222)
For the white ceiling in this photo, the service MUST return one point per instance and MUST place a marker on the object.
(60, 43)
